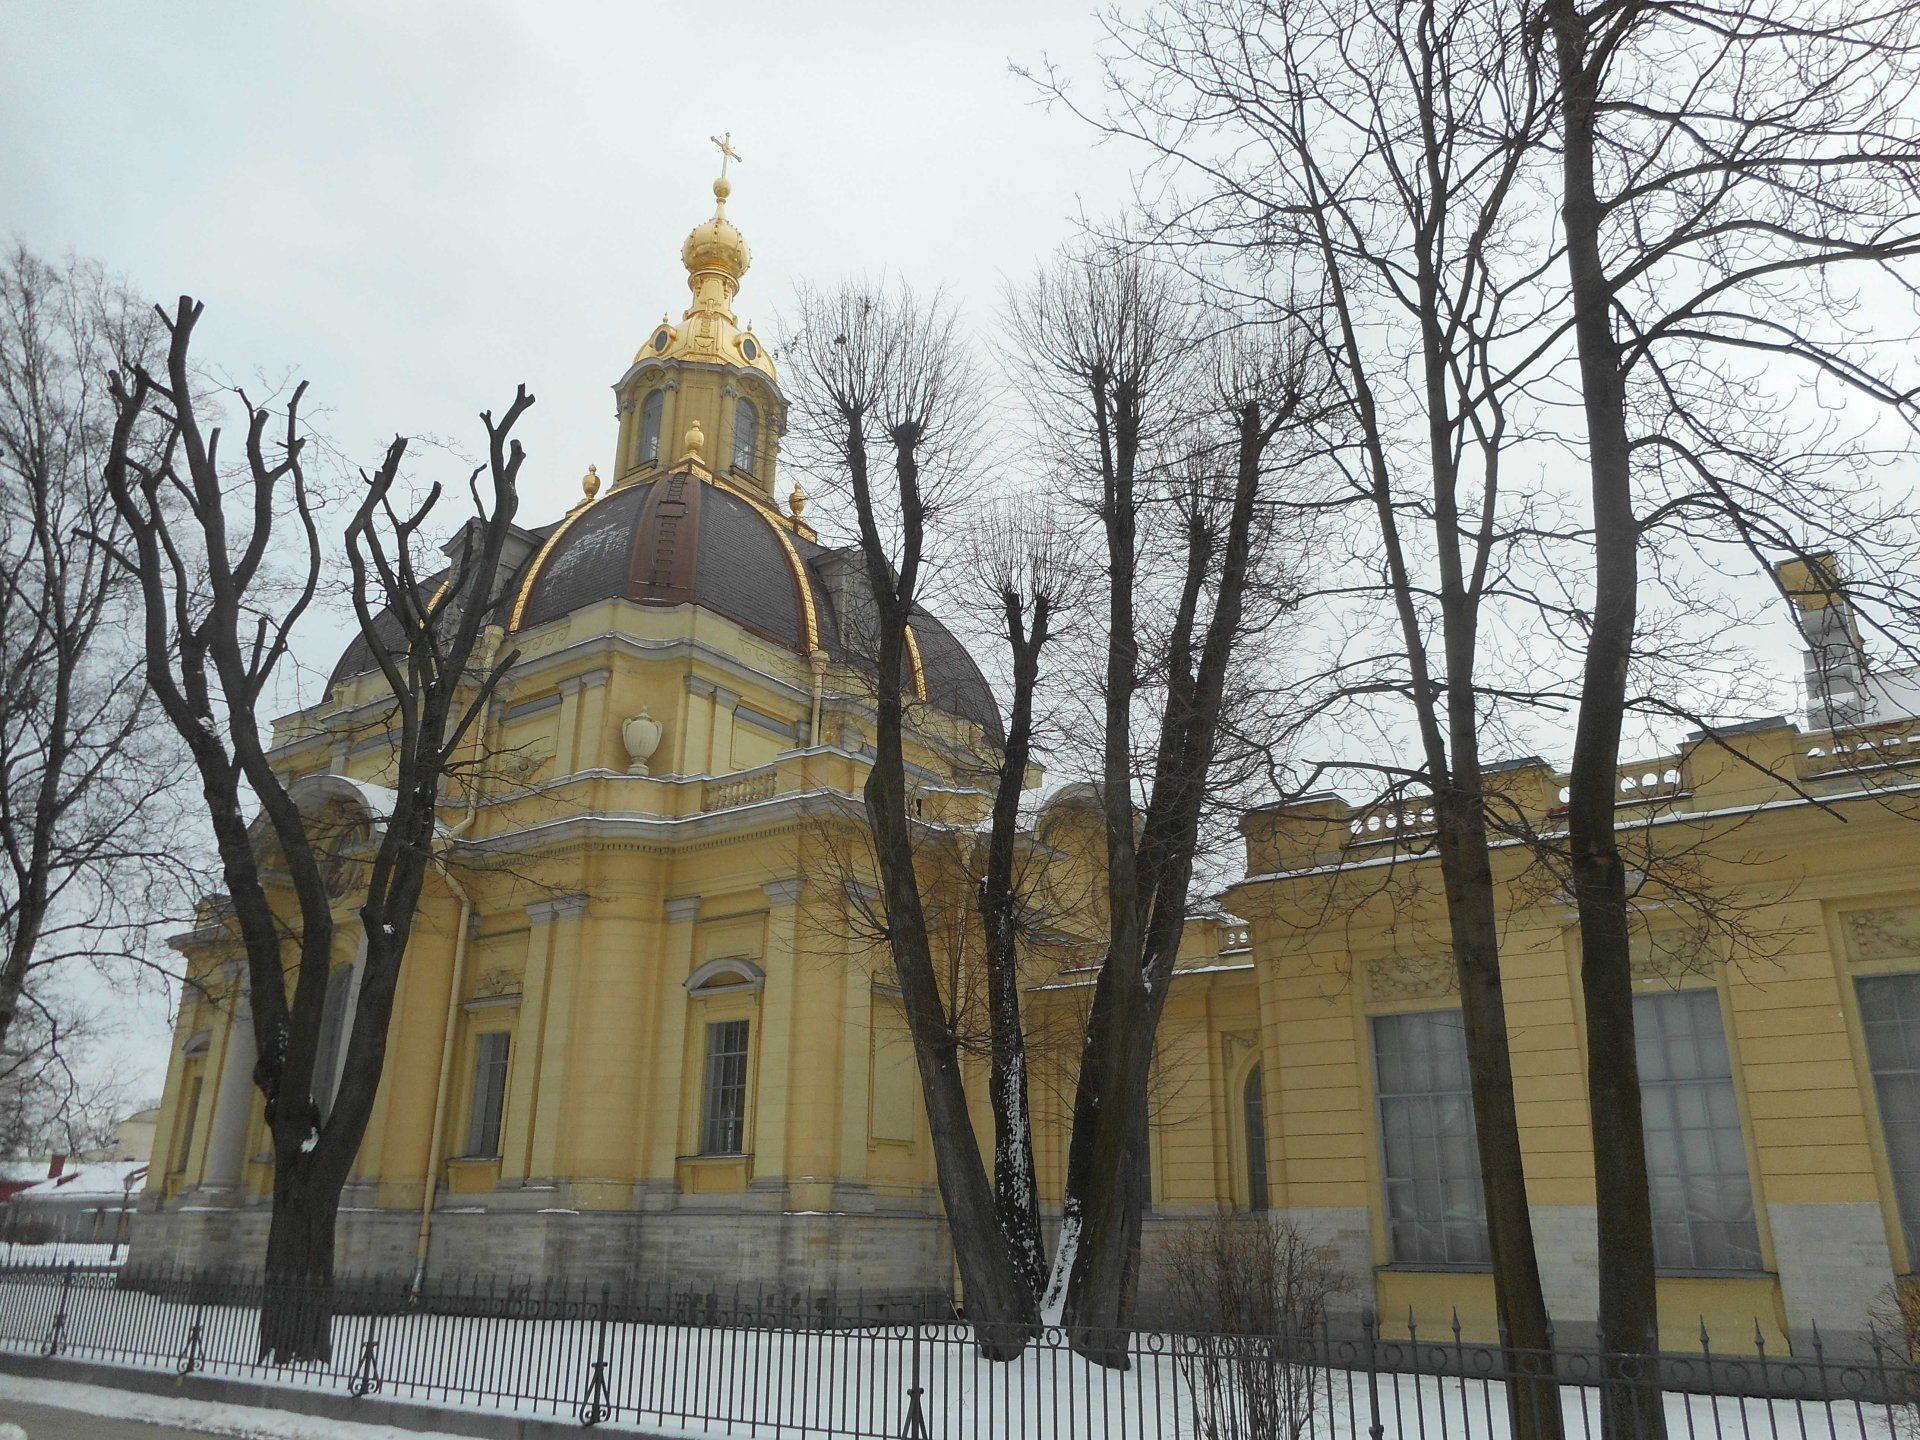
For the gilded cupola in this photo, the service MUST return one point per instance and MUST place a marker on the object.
(705, 374)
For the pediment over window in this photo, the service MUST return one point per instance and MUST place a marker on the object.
(728, 972)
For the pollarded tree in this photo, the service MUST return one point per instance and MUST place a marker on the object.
(883, 390)
(1032, 574)
(228, 559)
(1169, 420)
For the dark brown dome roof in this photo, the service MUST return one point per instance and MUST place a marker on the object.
(677, 540)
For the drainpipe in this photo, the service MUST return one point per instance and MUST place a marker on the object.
(436, 1139)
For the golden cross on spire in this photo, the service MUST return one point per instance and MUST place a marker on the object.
(724, 144)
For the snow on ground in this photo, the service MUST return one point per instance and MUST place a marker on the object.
(214, 1419)
(695, 1380)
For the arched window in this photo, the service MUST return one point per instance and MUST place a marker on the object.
(334, 1018)
(1254, 1107)
(647, 449)
(746, 436)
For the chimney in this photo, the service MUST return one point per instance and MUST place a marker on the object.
(1835, 660)
(56, 1166)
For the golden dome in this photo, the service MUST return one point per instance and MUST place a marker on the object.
(716, 245)
(716, 256)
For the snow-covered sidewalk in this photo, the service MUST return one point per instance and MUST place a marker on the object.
(201, 1416)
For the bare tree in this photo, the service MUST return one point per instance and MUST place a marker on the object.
(1170, 428)
(1376, 158)
(1031, 572)
(1725, 168)
(54, 1095)
(208, 547)
(881, 384)
(88, 767)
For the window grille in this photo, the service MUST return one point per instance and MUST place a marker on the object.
(489, 1092)
(1696, 1156)
(1436, 1210)
(723, 1129)
(1890, 1015)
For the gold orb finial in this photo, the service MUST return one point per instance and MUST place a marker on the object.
(590, 482)
(696, 440)
(716, 253)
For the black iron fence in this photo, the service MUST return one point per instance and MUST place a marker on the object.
(784, 1365)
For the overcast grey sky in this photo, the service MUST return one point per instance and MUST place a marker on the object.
(416, 206)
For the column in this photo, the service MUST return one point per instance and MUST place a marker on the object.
(233, 1100)
(523, 1080)
(660, 1146)
(772, 1099)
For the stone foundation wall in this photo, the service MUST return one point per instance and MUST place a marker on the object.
(700, 1250)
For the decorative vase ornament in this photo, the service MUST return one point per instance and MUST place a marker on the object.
(642, 737)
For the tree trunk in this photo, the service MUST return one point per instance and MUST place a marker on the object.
(1016, 1191)
(1629, 1326)
(296, 1302)
(1467, 875)
(1109, 1133)
(1016, 1188)
(1000, 1306)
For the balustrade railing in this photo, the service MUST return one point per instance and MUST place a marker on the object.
(748, 787)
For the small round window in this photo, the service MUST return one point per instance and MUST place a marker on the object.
(750, 348)
(661, 341)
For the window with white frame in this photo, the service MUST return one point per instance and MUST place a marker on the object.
(1890, 1016)
(1697, 1171)
(1430, 1156)
(489, 1092)
(723, 1126)
(746, 435)
(646, 447)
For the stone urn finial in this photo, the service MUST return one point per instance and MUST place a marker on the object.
(642, 737)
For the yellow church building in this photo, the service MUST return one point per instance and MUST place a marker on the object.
(641, 1037)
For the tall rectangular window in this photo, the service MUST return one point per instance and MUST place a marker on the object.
(723, 1129)
(1890, 1015)
(1436, 1210)
(1696, 1157)
(489, 1092)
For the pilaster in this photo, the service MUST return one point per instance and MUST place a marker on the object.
(660, 1112)
(526, 1072)
(772, 1125)
(575, 691)
(715, 756)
